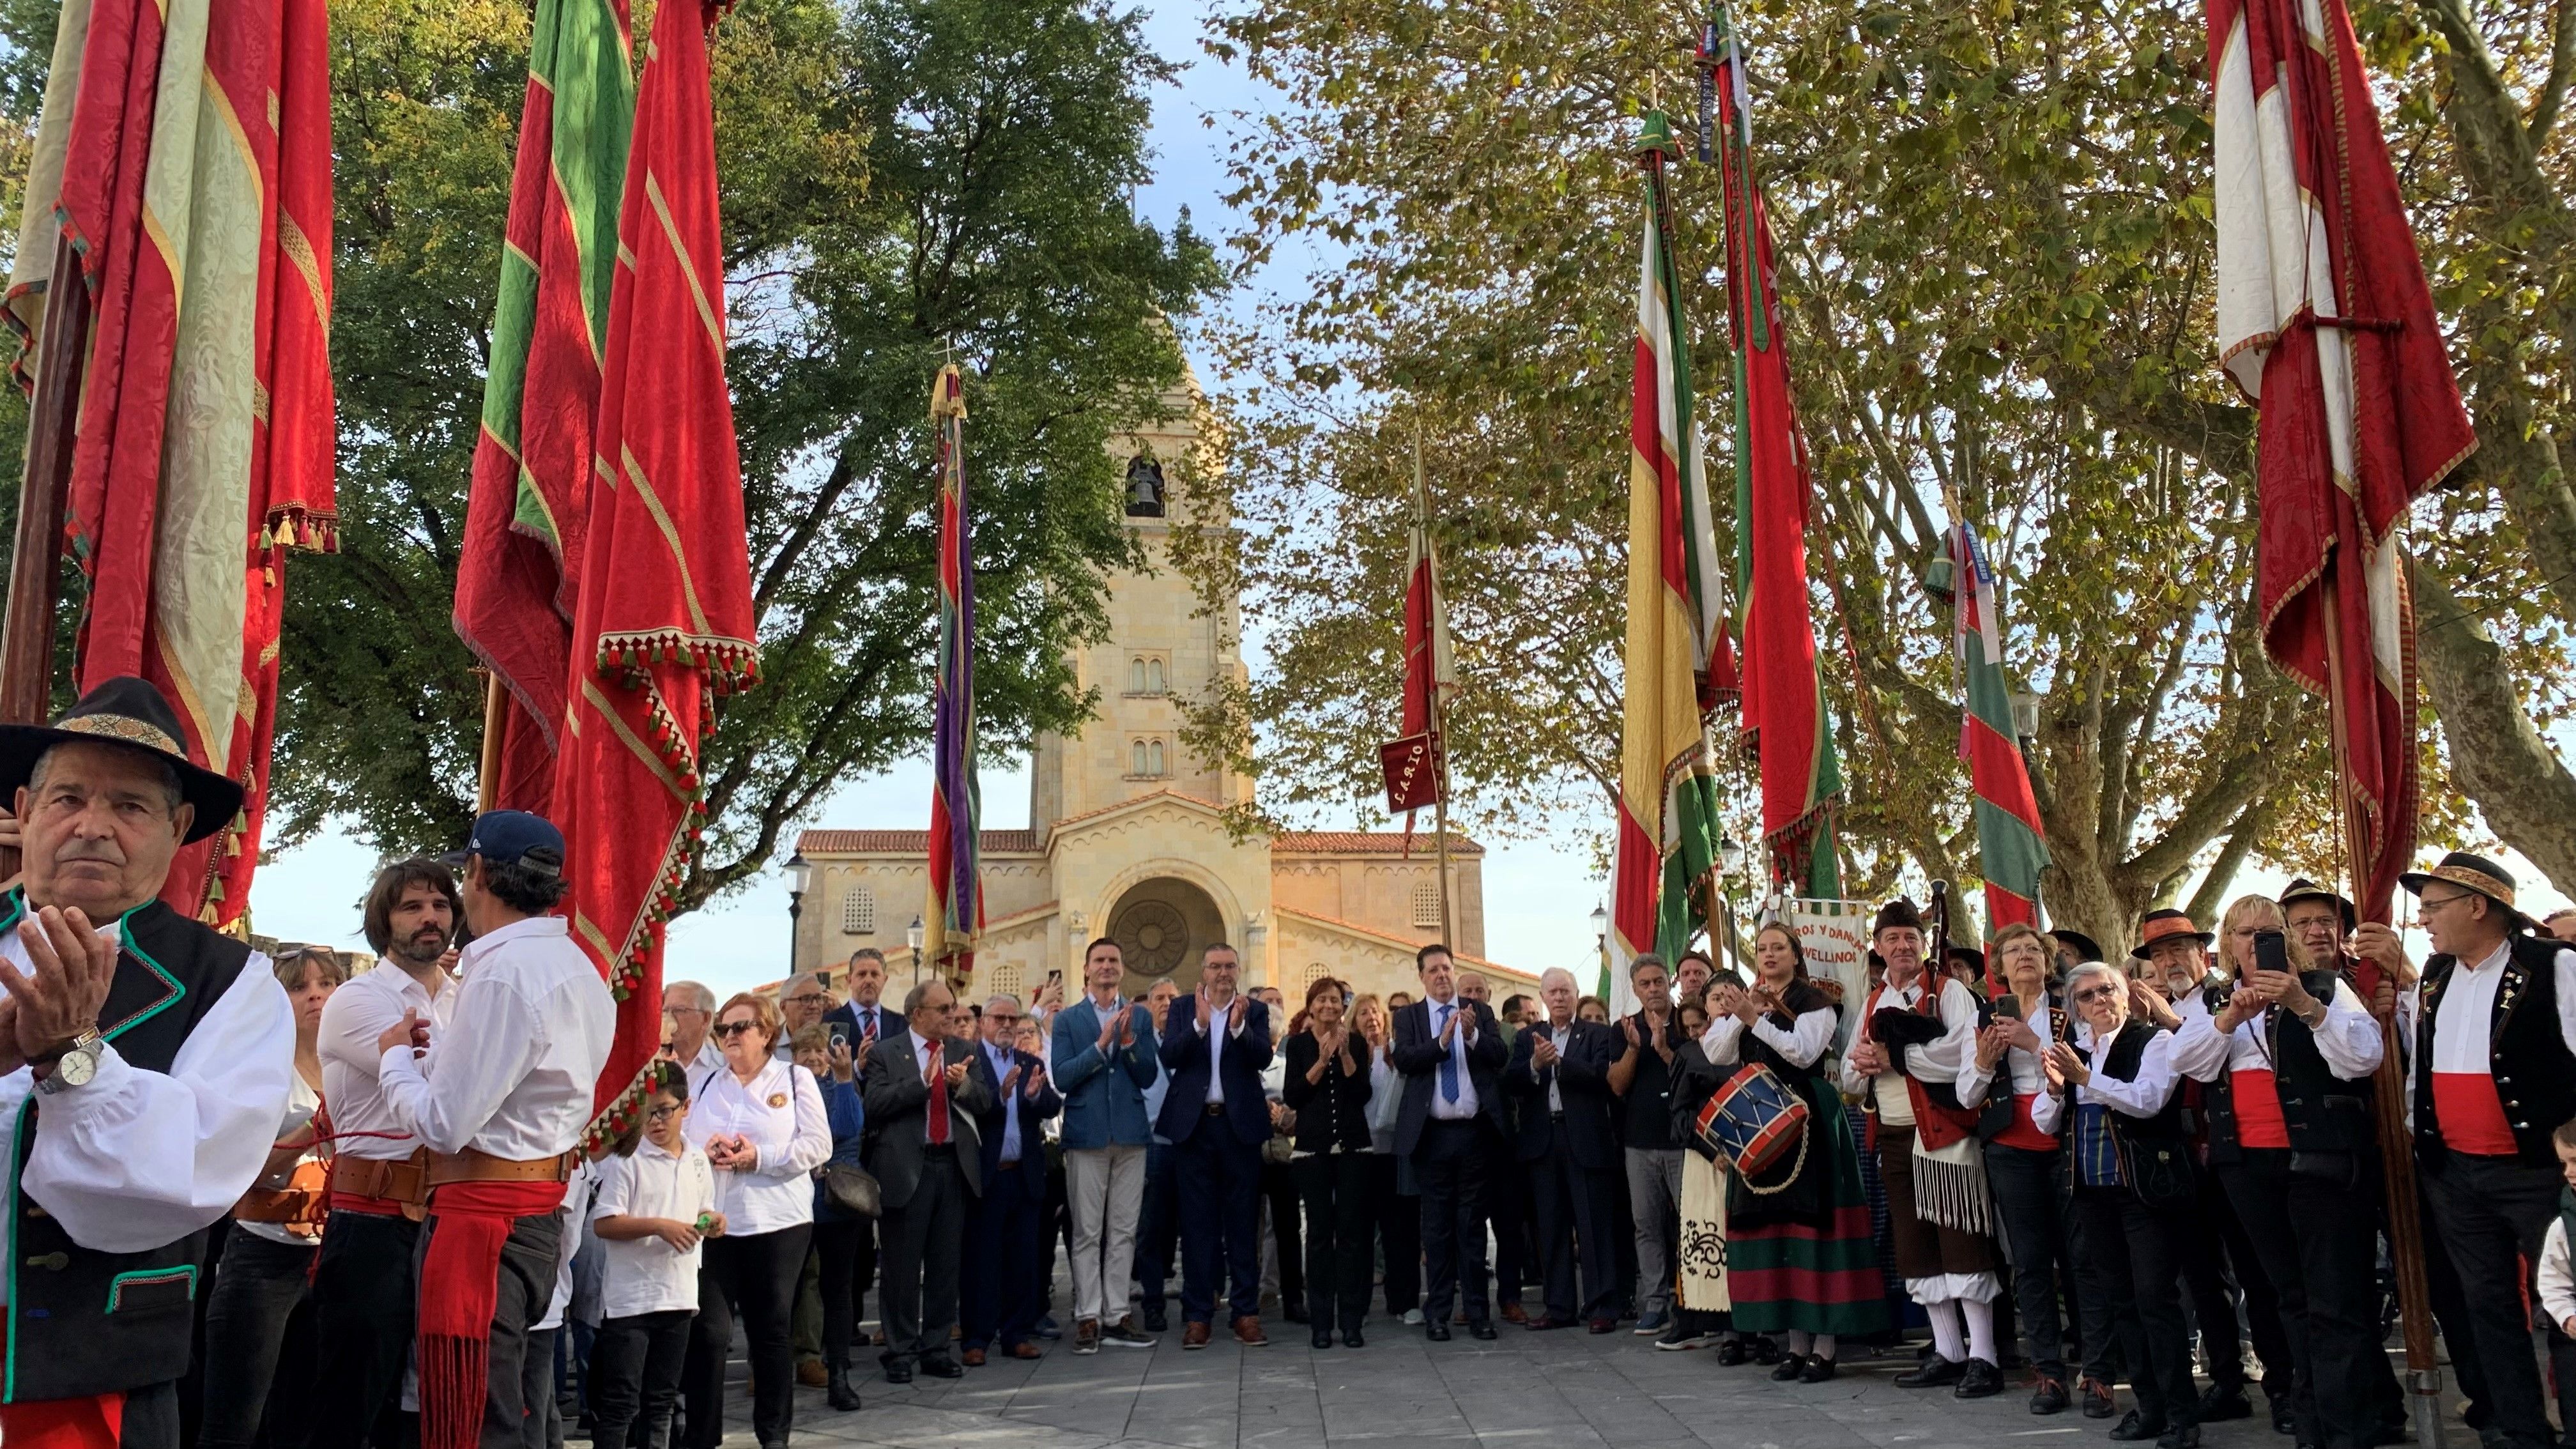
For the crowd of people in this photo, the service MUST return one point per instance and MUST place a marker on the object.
(374, 1191)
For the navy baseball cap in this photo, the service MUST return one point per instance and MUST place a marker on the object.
(505, 837)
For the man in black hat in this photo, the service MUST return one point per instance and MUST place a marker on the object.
(145, 1062)
(2072, 947)
(1915, 1031)
(2494, 1073)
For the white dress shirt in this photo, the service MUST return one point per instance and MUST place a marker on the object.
(1217, 1034)
(2348, 1039)
(579, 1190)
(648, 1275)
(1803, 1042)
(515, 1072)
(2557, 1280)
(1464, 1108)
(780, 1113)
(1547, 1032)
(363, 1123)
(2021, 1067)
(2143, 1095)
(137, 1159)
(1935, 1061)
(2468, 1011)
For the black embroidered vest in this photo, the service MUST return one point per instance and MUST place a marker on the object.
(84, 1322)
(2535, 1076)
(2323, 1112)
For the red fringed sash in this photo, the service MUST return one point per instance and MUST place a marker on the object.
(459, 1292)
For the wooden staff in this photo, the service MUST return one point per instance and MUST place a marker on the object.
(53, 425)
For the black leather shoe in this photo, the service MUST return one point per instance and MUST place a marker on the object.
(1730, 1353)
(2134, 1426)
(2224, 1403)
(2097, 1399)
(942, 1367)
(1156, 1322)
(2285, 1414)
(1788, 1369)
(1435, 1330)
(1323, 1336)
(1932, 1373)
(1765, 1350)
(1818, 1369)
(2180, 1436)
(1982, 1380)
(837, 1391)
(898, 1373)
(2051, 1398)
(1481, 1329)
(1351, 1337)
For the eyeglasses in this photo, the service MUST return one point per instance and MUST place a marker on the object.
(2097, 993)
(663, 1113)
(2435, 903)
(734, 1028)
(1003, 1016)
(807, 998)
(683, 1011)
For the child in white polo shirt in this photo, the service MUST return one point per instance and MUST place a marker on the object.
(656, 1203)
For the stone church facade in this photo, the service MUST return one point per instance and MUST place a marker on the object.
(1129, 833)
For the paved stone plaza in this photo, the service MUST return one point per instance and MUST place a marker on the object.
(1558, 1390)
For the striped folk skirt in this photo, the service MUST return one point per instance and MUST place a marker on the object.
(1818, 1273)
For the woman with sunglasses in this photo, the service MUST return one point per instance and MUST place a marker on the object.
(761, 1123)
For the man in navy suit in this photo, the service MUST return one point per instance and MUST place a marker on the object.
(1452, 1054)
(998, 1289)
(1216, 1118)
(1560, 1073)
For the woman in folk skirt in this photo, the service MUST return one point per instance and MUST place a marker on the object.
(1798, 1241)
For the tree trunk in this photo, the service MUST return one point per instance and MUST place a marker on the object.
(2497, 758)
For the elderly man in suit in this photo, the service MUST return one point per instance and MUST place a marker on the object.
(924, 1100)
(1569, 1146)
(1451, 1052)
(1215, 1044)
(1104, 1051)
(1000, 1280)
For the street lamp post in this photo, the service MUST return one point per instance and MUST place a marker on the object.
(912, 936)
(1601, 938)
(1730, 859)
(800, 874)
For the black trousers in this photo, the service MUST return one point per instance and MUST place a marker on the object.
(1220, 1201)
(2491, 1213)
(997, 1283)
(1339, 1189)
(2313, 1244)
(258, 1286)
(2219, 1272)
(1158, 1226)
(364, 1309)
(753, 1276)
(1449, 1165)
(2030, 1195)
(1399, 1234)
(847, 1253)
(1576, 1210)
(1280, 1193)
(1507, 1209)
(2133, 1257)
(635, 1368)
(523, 1290)
(922, 1240)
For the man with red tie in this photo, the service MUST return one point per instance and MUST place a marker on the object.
(923, 1099)
(2494, 1074)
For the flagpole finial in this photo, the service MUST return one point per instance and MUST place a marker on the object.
(1656, 140)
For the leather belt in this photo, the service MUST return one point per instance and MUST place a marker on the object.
(1216, 1109)
(402, 1180)
(473, 1165)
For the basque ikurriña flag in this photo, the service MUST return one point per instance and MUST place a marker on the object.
(2009, 835)
(2324, 320)
(1676, 656)
(185, 148)
(1785, 723)
(954, 915)
(518, 575)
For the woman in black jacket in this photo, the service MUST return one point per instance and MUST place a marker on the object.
(1327, 1087)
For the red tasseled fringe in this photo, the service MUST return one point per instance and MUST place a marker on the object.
(459, 1292)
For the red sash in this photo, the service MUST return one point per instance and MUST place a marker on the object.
(459, 1292)
(2024, 1133)
(96, 1422)
(2472, 1115)
(2258, 1108)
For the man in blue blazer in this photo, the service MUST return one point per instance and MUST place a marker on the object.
(1104, 1054)
(1569, 1144)
(1452, 1054)
(1215, 1044)
(998, 1285)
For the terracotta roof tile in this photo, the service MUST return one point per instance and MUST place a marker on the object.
(1366, 842)
(911, 842)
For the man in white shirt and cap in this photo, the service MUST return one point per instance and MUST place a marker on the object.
(500, 1098)
(145, 1062)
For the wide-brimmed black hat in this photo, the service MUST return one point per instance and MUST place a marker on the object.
(2074, 940)
(1975, 958)
(130, 712)
(2304, 889)
(2471, 873)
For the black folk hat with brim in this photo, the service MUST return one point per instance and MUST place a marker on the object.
(2471, 873)
(2304, 889)
(130, 712)
(2076, 941)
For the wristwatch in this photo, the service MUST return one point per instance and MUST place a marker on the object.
(74, 1067)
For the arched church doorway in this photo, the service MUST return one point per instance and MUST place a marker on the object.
(1161, 926)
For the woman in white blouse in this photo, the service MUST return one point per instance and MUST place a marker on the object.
(760, 1122)
(2026, 1170)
